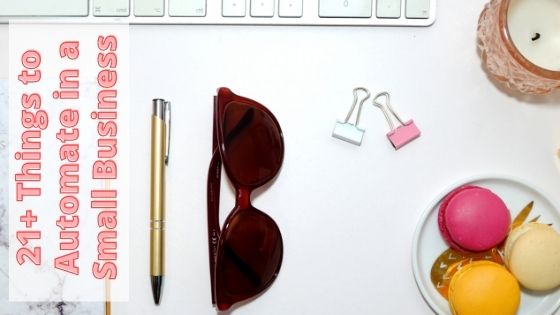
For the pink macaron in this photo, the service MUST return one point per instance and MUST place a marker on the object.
(473, 219)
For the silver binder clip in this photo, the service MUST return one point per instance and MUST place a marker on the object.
(346, 130)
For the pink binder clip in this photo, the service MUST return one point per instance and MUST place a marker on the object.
(403, 134)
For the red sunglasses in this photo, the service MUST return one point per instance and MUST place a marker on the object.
(245, 256)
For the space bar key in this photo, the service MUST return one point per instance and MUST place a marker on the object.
(44, 8)
(345, 8)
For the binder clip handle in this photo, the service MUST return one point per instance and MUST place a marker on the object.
(389, 107)
(351, 111)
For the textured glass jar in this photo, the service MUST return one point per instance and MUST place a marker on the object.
(503, 60)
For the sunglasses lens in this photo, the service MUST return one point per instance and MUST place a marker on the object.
(253, 147)
(249, 258)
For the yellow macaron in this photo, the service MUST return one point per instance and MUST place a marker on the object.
(532, 254)
(484, 287)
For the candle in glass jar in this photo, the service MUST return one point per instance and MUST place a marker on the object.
(534, 29)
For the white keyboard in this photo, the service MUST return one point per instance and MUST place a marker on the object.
(256, 12)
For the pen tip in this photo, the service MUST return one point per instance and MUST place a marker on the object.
(156, 288)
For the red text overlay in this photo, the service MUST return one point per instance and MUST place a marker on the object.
(69, 188)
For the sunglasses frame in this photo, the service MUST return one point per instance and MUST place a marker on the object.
(243, 192)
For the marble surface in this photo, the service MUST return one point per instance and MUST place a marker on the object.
(7, 308)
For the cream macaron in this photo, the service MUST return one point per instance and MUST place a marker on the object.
(484, 288)
(532, 254)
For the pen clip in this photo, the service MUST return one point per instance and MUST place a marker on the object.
(167, 116)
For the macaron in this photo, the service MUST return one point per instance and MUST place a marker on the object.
(484, 288)
(473, 219)
(532, 254)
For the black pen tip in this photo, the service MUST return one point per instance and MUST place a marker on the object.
(156, 288)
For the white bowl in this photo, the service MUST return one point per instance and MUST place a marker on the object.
(428, 244)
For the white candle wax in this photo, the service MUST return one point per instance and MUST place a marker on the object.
(534, 28)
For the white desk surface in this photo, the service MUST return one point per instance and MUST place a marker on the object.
(347, 213)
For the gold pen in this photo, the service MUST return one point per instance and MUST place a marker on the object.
(161, 123)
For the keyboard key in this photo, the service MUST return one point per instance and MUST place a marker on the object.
(389, 9)
(417, 9)
(111, 8)
(345, 8)
(233, 8)
(262, 8)
(290, 8)
(148, 7)
(187, 7)
(44, 8)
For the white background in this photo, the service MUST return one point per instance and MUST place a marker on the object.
(347, 213)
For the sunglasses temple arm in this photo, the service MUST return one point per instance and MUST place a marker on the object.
(214, 129)
(213, 205)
